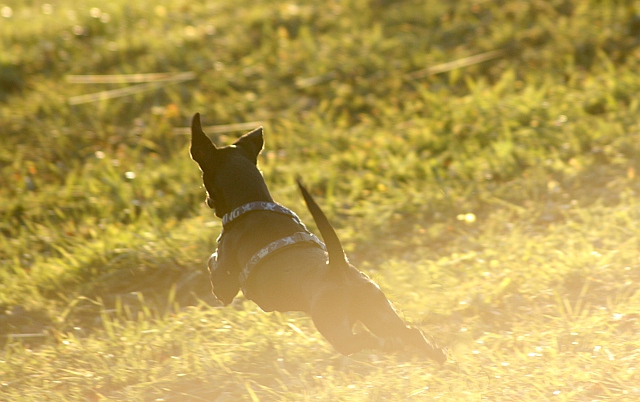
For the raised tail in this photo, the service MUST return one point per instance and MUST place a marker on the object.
(337, 259)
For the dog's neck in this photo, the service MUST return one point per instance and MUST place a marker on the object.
(254, 189)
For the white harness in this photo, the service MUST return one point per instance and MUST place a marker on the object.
(299, 237)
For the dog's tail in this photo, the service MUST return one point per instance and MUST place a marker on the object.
(337, 258)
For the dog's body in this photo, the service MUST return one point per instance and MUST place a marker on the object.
(267, 251)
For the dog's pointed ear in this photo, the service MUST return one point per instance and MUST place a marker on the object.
(201, 145)
(252, 143)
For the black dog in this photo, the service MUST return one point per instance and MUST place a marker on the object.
(268, 252)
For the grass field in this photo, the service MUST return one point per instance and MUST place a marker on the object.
(479, 159)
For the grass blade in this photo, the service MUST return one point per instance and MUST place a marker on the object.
(452, 65)
(132, 90)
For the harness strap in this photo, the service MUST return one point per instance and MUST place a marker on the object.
(258, 206)
(298, 237)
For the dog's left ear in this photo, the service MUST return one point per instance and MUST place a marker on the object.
(252, 143)
(201, 146)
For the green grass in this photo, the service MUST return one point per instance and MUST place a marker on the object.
(496, 204)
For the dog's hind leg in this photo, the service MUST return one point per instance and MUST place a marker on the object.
(415, 338)
(378, 315)
(332, 320)
(396, 333)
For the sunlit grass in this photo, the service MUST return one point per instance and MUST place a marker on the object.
(496, 204)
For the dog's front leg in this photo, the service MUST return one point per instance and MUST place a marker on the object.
(224, 283)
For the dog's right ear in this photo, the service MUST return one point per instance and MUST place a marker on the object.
(252, 143)
(201, 146)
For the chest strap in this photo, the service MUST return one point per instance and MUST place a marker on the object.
(298, 237)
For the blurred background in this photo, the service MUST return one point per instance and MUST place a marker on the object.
(479, 155)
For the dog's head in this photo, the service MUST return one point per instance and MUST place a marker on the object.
(230, 174)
